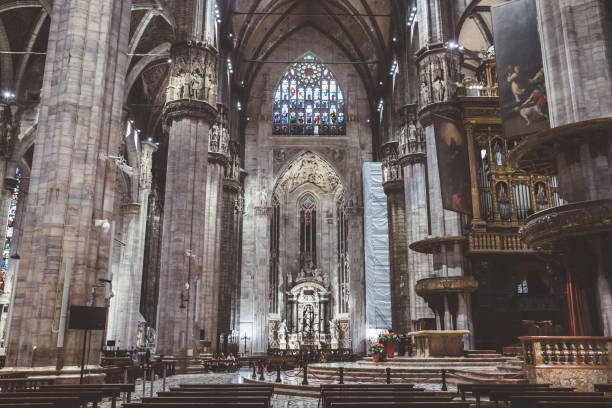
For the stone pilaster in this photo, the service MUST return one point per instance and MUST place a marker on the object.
(71, 186)
(190, 109)
(393, 184)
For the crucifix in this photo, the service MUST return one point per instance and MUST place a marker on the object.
(245, 338)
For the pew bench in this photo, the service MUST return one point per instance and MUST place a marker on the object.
(446, 404)
(465, 388)
(112, 391)
(603, 387)
(23, 383)
(581, 404)
(57, 402)
(532, 401)
(28, 405)
(210, 398)
(84, 396)
(332, 395)
(506, 395)
(194, 405)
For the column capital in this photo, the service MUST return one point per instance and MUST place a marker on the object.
(130, 208)
(439, 71)
(392, 175)
(192, 87)
(412, 147)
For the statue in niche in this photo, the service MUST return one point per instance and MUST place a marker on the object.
(282, 333)
(439, 89)
(385, 173)
(425, 94)
(333, 332)
(196, 84)
(412, 132)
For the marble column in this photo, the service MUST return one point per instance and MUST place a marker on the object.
(393, 184)
(124, 310)
(188, 114)
(71, 186)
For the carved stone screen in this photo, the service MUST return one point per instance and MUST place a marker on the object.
(376, 242)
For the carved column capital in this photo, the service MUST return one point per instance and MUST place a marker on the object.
(192, 87)
(439, 71)
(146, 163)
(392, 175)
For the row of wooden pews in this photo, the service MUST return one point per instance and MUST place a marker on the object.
(65, 396)
(534, 396)
(210, 395)
(385, 395)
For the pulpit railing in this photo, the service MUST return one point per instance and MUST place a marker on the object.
(496, 242)
(567, 351)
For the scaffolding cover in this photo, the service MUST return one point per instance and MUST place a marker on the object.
(376, 240)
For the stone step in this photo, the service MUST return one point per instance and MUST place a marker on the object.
(481, 352)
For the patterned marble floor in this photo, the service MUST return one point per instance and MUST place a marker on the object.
(279, 401)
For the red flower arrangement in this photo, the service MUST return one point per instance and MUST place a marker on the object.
(388, 338)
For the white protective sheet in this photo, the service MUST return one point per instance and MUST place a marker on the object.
(376, 242)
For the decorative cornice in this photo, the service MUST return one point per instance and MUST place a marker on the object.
(549, 228)
(393, 186)
(189, 108)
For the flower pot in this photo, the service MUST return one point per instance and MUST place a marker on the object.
(376, 357)
(390, 349)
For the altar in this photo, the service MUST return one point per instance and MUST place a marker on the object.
(310, 321)
(439, 343)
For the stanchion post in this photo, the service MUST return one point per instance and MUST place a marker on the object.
(144, 379)
(444, 387)
(305, 380)
(254, 376)
(388, 375)
(278, 377)
(151, 379)
(261, 371)
(341, 375)
(125, 380)
(164, 380)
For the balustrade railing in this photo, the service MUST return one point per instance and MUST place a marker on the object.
(496, 242)
(567, 351)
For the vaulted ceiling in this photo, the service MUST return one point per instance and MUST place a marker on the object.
(362, 30)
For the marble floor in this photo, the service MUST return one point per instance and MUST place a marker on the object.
(279, 401)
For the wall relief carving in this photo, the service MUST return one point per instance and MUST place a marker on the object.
(438, 76)
(283, 155)
(309, 168)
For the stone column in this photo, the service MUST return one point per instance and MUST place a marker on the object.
(393, 184)
(71, 185)
(124, 311)
(190, 109)
(208, 316)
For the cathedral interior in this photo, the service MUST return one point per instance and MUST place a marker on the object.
(198, 177)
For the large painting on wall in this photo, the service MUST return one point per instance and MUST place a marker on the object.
(522, 86)
(452, 151)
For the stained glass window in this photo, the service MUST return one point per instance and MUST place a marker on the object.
(6, 250)
(308, 101)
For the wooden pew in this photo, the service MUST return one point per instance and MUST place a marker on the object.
(190, 393)
(479, 390)
(603, 387)
(444, 404)
(28, 405)
(332, 401)
(58, 402)
(581, 404)
(14, 384)
(84, 396)
(333, 395)
(112, 391)
(531, 401)
(233, 386)
(228, 398)
(361, 386)
(194, 405)
(505, 395)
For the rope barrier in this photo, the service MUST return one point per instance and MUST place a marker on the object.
(486, 379)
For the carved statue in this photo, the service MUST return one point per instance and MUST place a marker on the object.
(425, 93)
(412, 132)
(439, 90)
(282, 332)
(333, 331)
